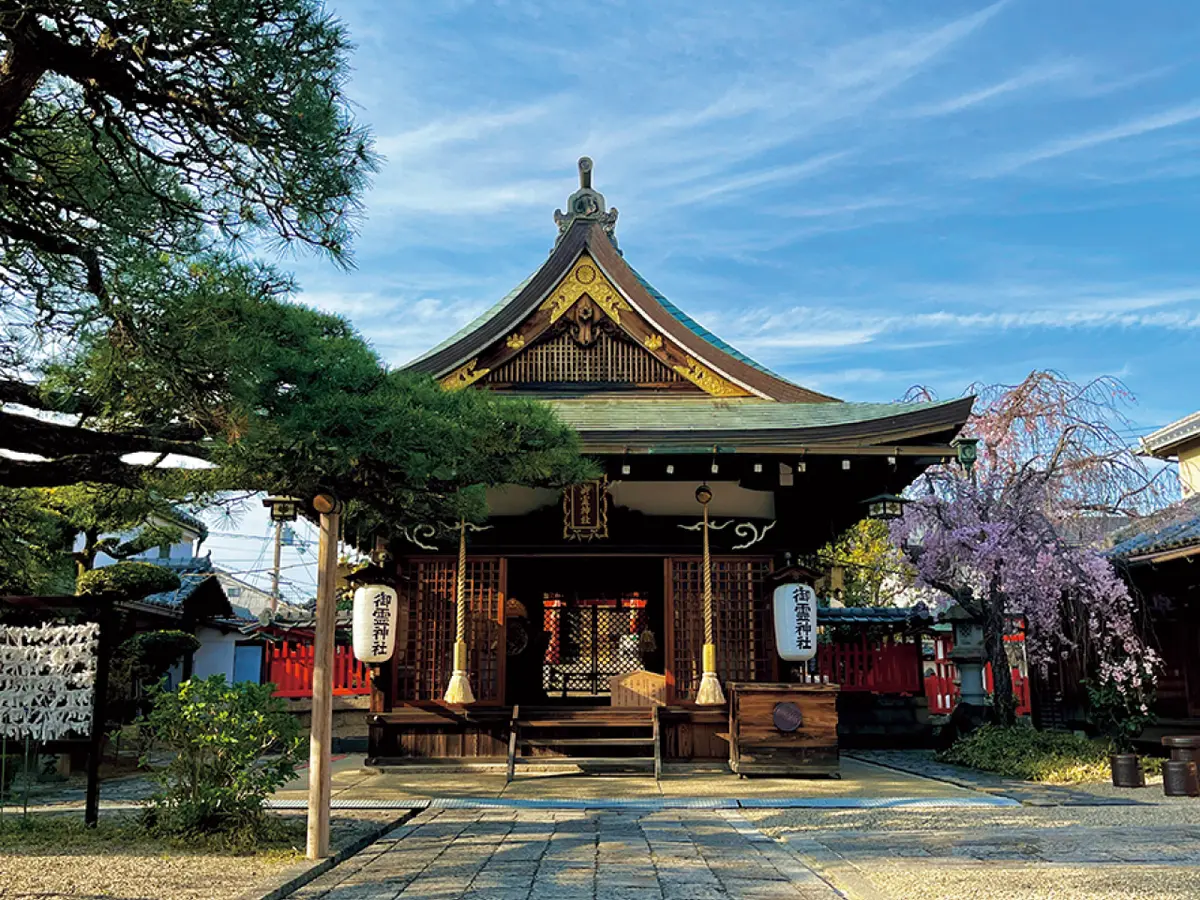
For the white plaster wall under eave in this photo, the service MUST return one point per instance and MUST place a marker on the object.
(678, 498)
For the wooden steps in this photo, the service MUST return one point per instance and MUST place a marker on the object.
(534, 728)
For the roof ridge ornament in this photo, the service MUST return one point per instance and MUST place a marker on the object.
(587, 204)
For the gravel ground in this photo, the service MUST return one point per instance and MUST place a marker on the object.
(148, 871)
(1149, 852)
(1036, 881)
(133, 875)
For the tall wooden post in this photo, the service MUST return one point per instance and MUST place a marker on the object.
(319, 775)
(106, 619)
(459, 689)
(710, 693)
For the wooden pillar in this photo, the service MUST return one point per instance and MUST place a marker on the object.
(320, 737)
(107, 621)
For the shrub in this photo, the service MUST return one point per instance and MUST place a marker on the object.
(220, 774)
(1054, 757)
(133, 580)
(142, 661)
(1121, 709)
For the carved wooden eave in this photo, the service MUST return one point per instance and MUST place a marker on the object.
(587, 281)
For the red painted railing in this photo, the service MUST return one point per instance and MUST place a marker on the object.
(290, 669)
(884, 667)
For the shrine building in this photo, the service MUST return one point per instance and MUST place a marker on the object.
(569, 591)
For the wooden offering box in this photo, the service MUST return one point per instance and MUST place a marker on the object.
(783, 729)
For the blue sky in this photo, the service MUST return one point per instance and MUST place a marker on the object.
(862, 196)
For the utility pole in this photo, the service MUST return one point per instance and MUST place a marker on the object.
(283, 509)
(319, 775)
(275, 568)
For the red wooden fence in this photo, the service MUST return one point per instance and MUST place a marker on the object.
(290, 669)
(892, 666)
(884, 667)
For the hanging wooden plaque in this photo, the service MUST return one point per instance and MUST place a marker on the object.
(585, 511)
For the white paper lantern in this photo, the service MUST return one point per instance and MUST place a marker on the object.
(796, 622)
(375, 612)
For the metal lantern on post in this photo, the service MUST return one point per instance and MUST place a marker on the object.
(966, 450)
(283, 510)
(710, 693)
(885, 507)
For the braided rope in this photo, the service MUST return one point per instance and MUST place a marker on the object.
(708, 593)
(460, 599)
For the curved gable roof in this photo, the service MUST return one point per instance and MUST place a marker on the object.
(580, 235)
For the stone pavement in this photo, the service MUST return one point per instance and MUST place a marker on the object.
(509, 854)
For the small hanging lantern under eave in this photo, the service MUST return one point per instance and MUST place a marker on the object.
(884, 507)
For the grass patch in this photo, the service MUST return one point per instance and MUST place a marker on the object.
(62, 834)
(1050, 757)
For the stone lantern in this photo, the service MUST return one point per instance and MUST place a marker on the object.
(969, 657)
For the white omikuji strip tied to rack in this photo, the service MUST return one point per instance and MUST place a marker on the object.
(47, 680)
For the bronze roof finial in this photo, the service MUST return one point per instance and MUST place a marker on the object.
(586, 203)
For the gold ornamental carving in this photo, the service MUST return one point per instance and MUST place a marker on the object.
(464, 376)
(585, 510)
(586, 279)
(708, 381)
(515, 341)
(653, 342)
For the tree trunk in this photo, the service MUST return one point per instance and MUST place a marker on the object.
(1004, 704)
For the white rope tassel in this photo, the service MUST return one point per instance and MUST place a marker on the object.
(459, 689)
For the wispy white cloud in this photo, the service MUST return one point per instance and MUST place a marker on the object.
(1169, 118)
(435, 135)
(1034, 76)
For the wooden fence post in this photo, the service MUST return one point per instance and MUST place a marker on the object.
(319, 763)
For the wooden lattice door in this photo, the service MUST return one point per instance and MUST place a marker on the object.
(429, 589)
(742, 630)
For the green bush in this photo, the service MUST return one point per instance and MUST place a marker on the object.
(1053, 757)
(140, 662)
(133, 580)
(233, 745)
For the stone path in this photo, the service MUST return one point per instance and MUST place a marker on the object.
(510, 854)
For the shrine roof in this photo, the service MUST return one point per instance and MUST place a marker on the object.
(654, 420)
(588, 229)
(1175, 528)
(699, 330)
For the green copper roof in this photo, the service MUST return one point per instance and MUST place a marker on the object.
(699, 330)
(475, 323)
(653, 414)
(684, 319)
